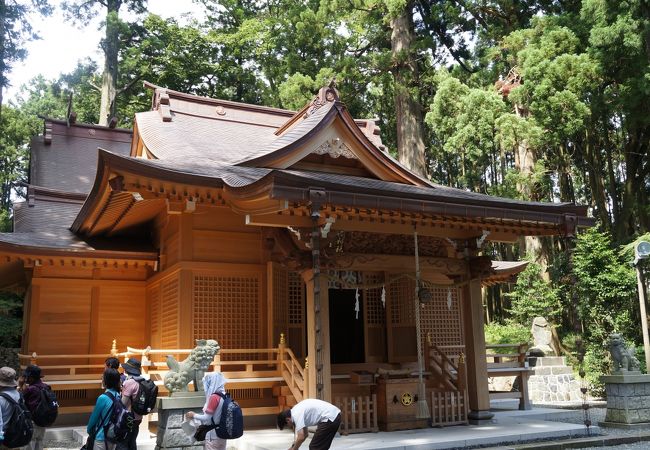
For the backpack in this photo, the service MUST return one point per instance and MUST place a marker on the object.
(120, 421)
(231, 421)
(145, 400)
(19, 429)
(47, 409)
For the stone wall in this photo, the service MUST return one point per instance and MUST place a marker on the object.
(552, 381)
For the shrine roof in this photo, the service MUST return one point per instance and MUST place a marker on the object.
(44, 227)
(64, 158)
(190, 126)
(215, 173)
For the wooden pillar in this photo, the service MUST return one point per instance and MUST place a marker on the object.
(186, 283)
(311, 336)
(477, 380)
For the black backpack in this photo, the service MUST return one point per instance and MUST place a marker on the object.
(47, 409)
(231, 421)
(145, 400)
(19, 429)
(120, 421)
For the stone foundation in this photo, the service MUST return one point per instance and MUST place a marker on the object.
(552, 380)
(171, 413)
(628, 399)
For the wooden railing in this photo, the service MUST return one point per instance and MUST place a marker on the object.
(358, 414)
(513, 364)
(449, 374)
(245, 369)
(293, 373)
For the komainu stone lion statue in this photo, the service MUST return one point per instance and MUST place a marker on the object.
(622, 357)
(191, 368)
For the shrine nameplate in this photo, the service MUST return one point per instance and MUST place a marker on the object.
(397, 404)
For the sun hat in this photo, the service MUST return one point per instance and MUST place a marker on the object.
(7, 377)
(132, 366)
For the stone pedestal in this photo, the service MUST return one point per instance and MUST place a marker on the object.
(171, 413)
(552, 380)
(628, 399)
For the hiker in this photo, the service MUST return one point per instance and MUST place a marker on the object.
(114, 363)
(16, 427)
(101, 414)
(31, 385)
(213, 383)
(308, 413)
(130, 390)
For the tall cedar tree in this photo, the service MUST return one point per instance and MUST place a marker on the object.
(115, 32)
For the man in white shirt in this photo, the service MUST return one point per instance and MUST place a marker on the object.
(308, 413)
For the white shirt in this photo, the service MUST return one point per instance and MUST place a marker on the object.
(311, 412)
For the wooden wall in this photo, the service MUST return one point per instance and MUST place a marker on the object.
(212, 284)
(82, 310)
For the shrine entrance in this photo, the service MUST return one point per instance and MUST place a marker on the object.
(346, 327)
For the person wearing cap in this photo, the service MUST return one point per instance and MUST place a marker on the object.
(308, 413)
(31, 385)
(8, 386)
(130, 388)
(213, 383)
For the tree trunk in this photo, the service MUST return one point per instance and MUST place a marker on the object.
(3, 52)
(410, 135)
(111, 47)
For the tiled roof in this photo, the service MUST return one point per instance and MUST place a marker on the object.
(202, 137)
(44, 215)
(69, 162)
(239, 177)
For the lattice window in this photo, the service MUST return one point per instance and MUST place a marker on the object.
(227, 309)
(442, 318)
(154, 314)
(169, 312)
(375, 311)
(280, 302)
(296, 299)
(402, 292)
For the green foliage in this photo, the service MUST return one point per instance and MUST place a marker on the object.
(509, 333)
(596, 363)
(11, 322)
(534, 296)
(605, 286)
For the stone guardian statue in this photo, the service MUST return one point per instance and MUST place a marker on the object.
(191, 368)
(623, 359)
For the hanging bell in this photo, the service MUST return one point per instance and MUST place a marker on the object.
(424, 294)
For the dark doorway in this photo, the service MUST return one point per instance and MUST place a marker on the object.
(346, 331)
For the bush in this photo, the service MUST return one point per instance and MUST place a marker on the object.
(596, 363)
(510, 333)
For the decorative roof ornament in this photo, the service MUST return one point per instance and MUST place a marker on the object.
(335, 148)
(326, 94)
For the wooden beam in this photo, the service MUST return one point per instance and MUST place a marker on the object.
(397, 224)
(399, 263)
(477, 378)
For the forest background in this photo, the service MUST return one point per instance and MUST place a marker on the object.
(537, 100)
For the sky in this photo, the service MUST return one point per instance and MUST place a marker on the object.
(63, 44)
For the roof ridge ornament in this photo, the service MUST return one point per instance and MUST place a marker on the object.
(326, 94)
(161, 103)
(335, 148)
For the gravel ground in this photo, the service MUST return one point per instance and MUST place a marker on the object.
(597, 414)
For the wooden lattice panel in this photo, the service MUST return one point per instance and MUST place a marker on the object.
(280, 302)
(441, 318)
(375, 318)
(169, 311)
(296, 294)
(226, 308)
(375, 309)
(154, 314)
(402, 292)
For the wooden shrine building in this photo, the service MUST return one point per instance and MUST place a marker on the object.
(242, 223)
